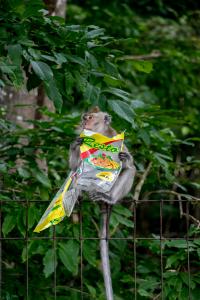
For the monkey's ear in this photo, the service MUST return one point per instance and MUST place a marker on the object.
(107, 119)
(95, 109)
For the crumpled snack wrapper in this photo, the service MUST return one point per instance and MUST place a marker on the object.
(61, 205)
(100, 164)
(98, 171)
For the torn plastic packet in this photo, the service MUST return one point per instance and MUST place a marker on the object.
(99, 169)
(100, 164)
(61, 205)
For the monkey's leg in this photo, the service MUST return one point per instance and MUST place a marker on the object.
(98, 196)
(74, 154)
(119, 190)
(104, 249)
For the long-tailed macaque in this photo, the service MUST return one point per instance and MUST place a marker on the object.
(98, 121)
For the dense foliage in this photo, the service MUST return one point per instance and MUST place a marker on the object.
(142, 68)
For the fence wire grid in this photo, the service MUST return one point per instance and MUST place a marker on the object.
(55, 238)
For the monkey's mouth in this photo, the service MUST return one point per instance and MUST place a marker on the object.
(87, 126)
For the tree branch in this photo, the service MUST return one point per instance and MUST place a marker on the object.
(153, 54)
(141, 182)
(189, 197)
(188, 216)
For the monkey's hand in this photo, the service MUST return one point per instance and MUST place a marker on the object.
(123, 156)
(79, 141)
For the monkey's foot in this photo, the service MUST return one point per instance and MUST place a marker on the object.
(98, 196)
(124, 156)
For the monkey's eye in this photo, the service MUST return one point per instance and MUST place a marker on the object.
(90, 117)
(84, 117)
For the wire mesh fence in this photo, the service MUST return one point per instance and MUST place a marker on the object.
(59, 285)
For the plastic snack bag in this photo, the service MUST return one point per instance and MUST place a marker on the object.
(61, 205)
(100, 164)
(100, 167)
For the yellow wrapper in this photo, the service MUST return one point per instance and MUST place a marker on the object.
(55, 212)
(100, 163)
(65, 199)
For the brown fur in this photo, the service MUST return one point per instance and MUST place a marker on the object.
(124, 182)
(94, 109)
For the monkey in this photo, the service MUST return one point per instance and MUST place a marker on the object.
(98, 121)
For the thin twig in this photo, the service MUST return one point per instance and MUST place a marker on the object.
(176, 172)
(153, 54)
(96, 226)
(193, 198)
(141, 183)
(180, 206)
(157, 296)
(188, 216)
(193, 219)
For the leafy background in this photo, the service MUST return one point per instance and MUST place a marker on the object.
(140, 62)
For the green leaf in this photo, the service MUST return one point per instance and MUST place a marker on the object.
(144, 135)
(89, 252)
(42, 178)
(80, 80)
(143, 66)
(3, 167)
(161, 161)
(49, 262)
(20, 222)
(185, 277)
(92, 94)
(6, 68)
(183, 244)
(172, 260)
(92, 291)
(143, 293)
(15, 53)
(119, 93)
(33, 8)
(9, 223)
(68, 253)
(60, 58)
(31, 216)
(76, 59)
(95, 33)
(119, 209)
(25, 251)
(2, 84)
(24, 173)
(124, 221)
(42, 70)
(53, 94)
(122, 109)
(113, 81)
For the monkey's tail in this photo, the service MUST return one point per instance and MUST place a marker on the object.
(104, 249)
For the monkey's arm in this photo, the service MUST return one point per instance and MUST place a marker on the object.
(74, 154)
(123, 184)
(126, 158)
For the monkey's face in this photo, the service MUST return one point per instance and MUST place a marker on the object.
(97, 122)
